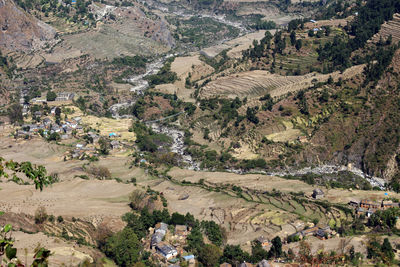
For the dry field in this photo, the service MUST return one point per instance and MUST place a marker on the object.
(253, 84)
(235, 46)
(64, 253)
(244, 220)
(90, 200)
(183, 66)
(268, 183)
(332, 23)
(108, 125)
(389, 28)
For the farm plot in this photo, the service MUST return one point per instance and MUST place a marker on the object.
(392, 28)
(253, 84)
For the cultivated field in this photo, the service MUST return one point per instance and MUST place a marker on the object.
(392, 28)
(253, 84)
(235, 46)
(183, 66)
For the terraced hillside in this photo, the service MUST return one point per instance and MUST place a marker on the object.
(256, 83)
(390, 28)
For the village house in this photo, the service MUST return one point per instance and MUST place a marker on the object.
(387, 204)
(225, 264)
(25, 109)
(65, 96)
(309, 232)
(160, 231)
(38, 114)
(354, 203)
(166, 250)
(302, 139)
(161, 227)
(264, 241)
(188, 257)
(181, 230)
(246, 264)
(71, 123)
(53, 111)
(79, 129)
(320, 232)
(156, 238)
(367, 204)
(263, 263)
(323, 233)
(47, 122)
(78, 119)
(318, 193)
(115, 144)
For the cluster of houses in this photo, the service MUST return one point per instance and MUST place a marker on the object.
(168, 250)
(368, 207)
(61, 97)
(319, 232)
(48, 126)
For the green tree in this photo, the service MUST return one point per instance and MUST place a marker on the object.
(276, 249)
(124, 247)
(209, 255)
(51, 96)
(387, 251)
(105, 145)
(257, 251)
(234, 255)
(15, 113)
(293, 37)
(299, 44)
(54, 137)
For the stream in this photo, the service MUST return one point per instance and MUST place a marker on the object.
(140, 85)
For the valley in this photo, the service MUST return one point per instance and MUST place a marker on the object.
(201, 133)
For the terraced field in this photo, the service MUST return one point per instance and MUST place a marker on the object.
(252, 84)
(389, 28)
(259, 205)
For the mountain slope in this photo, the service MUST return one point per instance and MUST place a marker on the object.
(20, 31)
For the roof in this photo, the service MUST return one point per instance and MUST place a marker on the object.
(156, 238)
(246, 264)
(318, 191)
(320, 233)
(263, 263)
(360, 210)
(179, 227)
(262, 239)
(309, 230)
(368, 202)
(225, 264)
(161, 226)
(166, 249)
(188, 257)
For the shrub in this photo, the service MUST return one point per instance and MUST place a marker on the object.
(60, 219)
(40, 215)
(51, 218)
(100, 172)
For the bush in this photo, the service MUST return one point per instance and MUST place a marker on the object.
(51, 96)
(124, 248)
(100, 172)
(51, 218)
(60, 219)
(40, 215)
